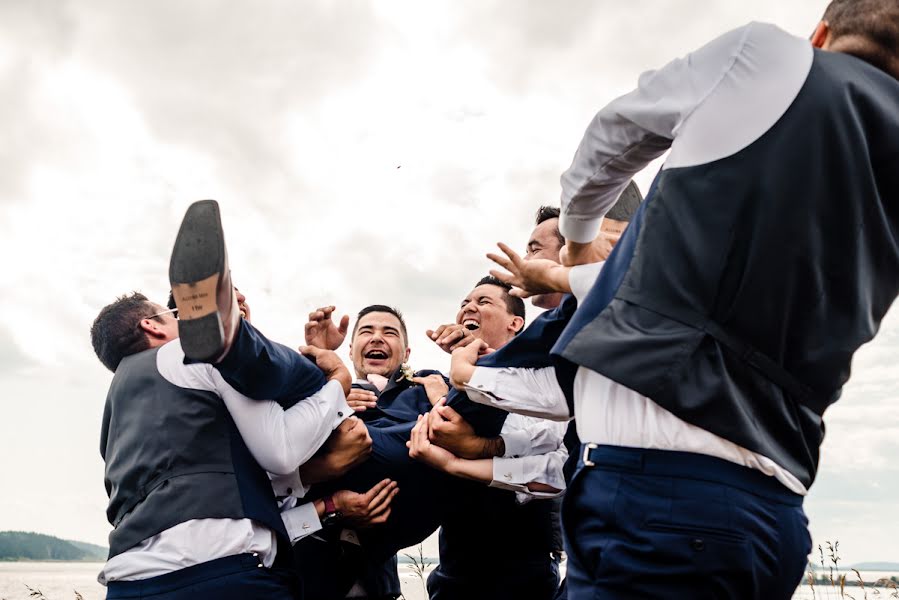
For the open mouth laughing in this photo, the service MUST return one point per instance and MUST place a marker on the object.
(471, 324)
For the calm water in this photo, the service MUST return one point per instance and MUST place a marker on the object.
(60, 580)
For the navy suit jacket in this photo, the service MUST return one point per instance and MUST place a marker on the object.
(399, 402)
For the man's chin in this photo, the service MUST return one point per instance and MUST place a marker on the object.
(382, 370)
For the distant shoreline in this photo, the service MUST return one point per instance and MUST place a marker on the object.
(52, 560)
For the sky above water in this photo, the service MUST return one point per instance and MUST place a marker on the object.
(362, 152)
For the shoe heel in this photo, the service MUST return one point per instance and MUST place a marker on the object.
(202, 339)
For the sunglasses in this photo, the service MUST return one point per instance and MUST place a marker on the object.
(172, 311)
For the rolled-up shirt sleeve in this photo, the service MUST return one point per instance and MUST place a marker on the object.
(636, 128)
(526, 391)
(282, 440)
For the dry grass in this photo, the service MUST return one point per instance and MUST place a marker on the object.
(832, 583)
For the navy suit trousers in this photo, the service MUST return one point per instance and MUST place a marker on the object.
(265, 370)
(658, 524)
(231, 578)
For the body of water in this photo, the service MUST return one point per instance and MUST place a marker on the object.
(60, 581)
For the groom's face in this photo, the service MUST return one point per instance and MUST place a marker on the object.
(378, 346)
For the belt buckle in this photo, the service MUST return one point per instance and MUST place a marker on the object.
(586, 455)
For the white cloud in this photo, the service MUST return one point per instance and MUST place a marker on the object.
(296, 117)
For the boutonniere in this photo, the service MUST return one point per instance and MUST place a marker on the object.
(406, 373)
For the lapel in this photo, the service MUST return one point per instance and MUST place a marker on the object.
(366, 385)
(394, 387)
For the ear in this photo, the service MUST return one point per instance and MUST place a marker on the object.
(821, 37)
(517, 324)
(406, 356)
(151, 328)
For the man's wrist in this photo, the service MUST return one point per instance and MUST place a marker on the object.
(319, 507)
(493, 447)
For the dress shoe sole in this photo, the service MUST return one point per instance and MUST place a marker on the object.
(195, 269)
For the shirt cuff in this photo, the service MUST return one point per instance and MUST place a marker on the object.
(481, 385)
(289, 485)
(342, 410)
(509, 471)
(517, 442)
(582, 231)
(301, 521)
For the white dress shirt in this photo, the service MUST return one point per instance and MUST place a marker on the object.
(280, 441)
(684, 106)
(534, 454)
(609, 413)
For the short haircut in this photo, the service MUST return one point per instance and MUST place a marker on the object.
(383, 308)
(545, 213)
(623, 209)
(514, 304)
(116, 332)
(870, 30)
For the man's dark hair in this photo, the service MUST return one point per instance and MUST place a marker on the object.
(383, 308)
(514, 304)
(623, 209)
(545, 213)
(116, 332)
(867, 29)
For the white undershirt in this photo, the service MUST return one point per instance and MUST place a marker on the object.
(280, 441)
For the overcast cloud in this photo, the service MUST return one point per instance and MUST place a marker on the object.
(362, 152)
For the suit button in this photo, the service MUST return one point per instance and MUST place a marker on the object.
(698, 544)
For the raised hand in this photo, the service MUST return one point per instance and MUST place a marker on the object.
(322, 332)
(529, 277)
(450, 336)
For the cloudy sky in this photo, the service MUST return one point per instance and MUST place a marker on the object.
(362, 152)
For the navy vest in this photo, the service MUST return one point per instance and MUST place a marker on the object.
(172, 455)
(738, 295)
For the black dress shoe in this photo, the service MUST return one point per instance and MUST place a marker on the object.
(208, 316)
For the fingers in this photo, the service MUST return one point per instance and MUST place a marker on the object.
(360, 400)
(384, 495)
(448, 413)
(514, 257)
(501, 261)
(310, 351)
(436, 333)
(503, 276)
(451, 334)
(321, 314)
(418, 440)
(519, 293)
(368, 496)
(379, 510)
(344, 325)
